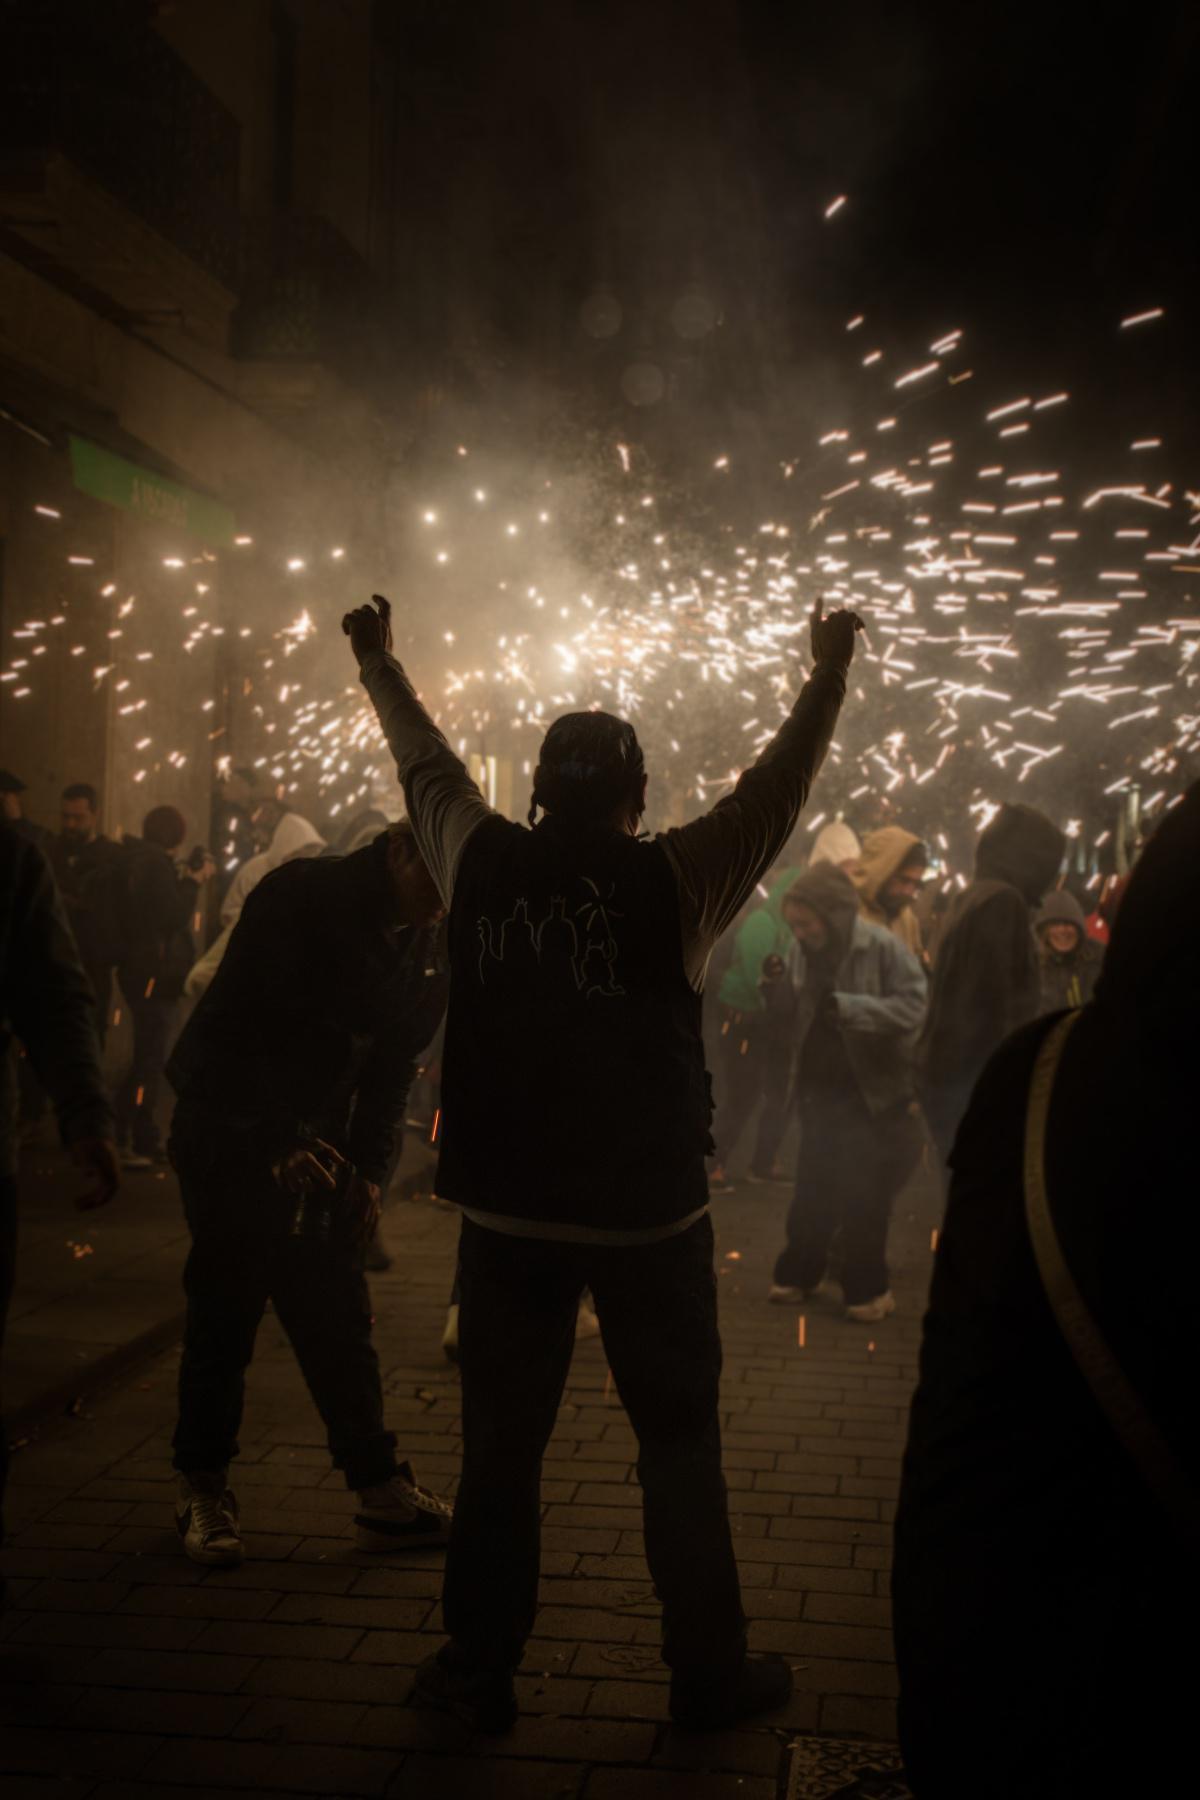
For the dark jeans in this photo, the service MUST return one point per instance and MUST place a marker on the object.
(852, 1165)
(244, 1254)
(8, 1275)
(755, 1070)
(657, 1306)
(136, 1099)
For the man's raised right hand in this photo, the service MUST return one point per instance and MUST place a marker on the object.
(833, 637)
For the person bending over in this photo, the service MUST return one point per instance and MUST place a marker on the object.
(292, 1076)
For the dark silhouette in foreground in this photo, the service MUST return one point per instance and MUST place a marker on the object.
(1041, 1579)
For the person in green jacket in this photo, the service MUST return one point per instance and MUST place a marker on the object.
(754, 1040)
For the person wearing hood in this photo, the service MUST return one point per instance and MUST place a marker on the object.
(859, 999)
(292, 1076)
(754, 1042)
(888, 876)
(985, 980)
(291, 836)
(1070, 961)
(835, 843)
(1045, 1550)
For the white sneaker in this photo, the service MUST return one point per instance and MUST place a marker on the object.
(871, 1311)
(796, 1296)
(206, 1518)
(399, 1515)
(450, 1335)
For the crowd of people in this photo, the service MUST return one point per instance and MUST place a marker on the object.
(860, 1011)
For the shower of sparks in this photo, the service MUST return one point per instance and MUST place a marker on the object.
(1019, 621)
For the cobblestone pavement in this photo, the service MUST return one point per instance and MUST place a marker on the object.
(127, 1671)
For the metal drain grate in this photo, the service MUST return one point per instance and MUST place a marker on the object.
(845, 1769)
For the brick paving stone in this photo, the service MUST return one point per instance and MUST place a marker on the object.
(308, 1768)
(290, 1674)
(370, 1684)
(448, 1778)
(171, 1714)
(854, 1715)
(251, 1638)
(848, 1609)
(32, 1750)
(675, 1784)
(302, 1722)
(734, 1752)
(204, 1600)
(341, 1609)
(106, 1631)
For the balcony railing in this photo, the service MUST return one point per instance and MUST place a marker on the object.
(307, 296)
(95, 84)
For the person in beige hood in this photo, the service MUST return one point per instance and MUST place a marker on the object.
(888, 876)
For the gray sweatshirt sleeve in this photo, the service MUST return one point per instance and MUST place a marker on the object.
(443, 802)
(719, 857)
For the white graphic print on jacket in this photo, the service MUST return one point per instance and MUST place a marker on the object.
(580, 948)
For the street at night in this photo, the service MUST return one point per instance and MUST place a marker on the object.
(599, 828)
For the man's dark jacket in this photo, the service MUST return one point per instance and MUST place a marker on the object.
(317, 1014)
(573, 1088)
(91, 878)
(985, 977)
(45, 1000)
(158, 906)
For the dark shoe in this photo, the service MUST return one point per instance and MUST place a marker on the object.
(763, 1684)
(484, 1700)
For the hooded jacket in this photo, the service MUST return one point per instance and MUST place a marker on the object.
(1066, 980)
(985, 980)
(316, 1016)
(876, 987)
(1018, 1501)
(765, 933)
(834, 843)
(884, 853)
(294, 836)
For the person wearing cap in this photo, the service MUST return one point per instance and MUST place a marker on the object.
(1069, 960)
(12, 811)
(160, 901)
(859, 1002)
(575, 1126)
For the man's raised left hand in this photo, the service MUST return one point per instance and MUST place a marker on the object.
(369, 627)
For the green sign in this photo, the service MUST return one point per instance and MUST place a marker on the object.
(119, 483)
